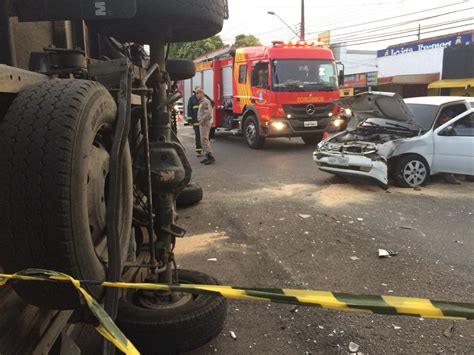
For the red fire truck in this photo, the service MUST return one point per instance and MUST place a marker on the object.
(286, 90)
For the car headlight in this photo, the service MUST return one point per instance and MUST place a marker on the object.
(338, 122)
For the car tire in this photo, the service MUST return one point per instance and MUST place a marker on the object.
(312, 139)
(411, 171)
(54, 164)
(252, 133)
(173, 329)
(180, 69)
(179, 20)
(190, 196)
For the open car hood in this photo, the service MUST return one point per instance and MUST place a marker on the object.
(378, 105)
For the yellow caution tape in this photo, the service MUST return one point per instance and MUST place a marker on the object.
(387, 305)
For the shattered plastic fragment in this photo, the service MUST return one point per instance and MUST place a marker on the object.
(232, 334)
(353, 347)
(304, 216)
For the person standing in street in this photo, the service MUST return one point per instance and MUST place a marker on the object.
(204, 117)
(193, 106)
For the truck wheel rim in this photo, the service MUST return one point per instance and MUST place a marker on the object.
(97, 186)
(414, 173)
(251, 132)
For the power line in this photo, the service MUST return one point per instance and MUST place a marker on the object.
(394, 17)
(343, 44)
(377, 35)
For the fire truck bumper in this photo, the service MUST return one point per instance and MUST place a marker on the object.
(281, 127)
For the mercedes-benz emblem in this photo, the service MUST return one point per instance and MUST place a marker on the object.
(310, 110)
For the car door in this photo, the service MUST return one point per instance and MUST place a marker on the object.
(454, 145)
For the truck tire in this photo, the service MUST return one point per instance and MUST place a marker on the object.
(180, 20)
(190, 196)
(180, 69)
(54, 160)
(252, 133)
(411, 171)
(313, 139)
(171, 329)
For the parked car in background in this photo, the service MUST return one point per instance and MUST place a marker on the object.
(406, 140)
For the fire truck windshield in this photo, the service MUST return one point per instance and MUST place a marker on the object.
(303, 75)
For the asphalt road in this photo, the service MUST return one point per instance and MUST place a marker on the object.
(249, 222)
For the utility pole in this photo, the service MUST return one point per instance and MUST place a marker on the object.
(302, 37)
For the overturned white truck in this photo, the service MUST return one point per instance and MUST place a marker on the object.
(90, 166)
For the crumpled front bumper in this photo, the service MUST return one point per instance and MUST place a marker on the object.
(360, 166)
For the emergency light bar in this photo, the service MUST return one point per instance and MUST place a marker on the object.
(316, 44)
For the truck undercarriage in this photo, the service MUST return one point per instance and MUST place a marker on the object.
(90, 162)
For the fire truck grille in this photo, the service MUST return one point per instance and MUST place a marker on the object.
(314, 111)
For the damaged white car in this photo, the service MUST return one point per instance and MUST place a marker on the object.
(405, 140)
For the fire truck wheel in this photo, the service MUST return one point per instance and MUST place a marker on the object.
(313, 139)
(180, 69)
(169, 328)
(190, 196)
(252, 133)
(55, 144)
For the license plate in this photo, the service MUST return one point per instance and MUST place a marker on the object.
(311, 124)
(343, 161)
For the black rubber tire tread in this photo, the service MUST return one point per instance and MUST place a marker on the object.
(260, 141)
(174, 330)
(180, 69)
(399, 167)
(39, 155)
(180, 20)
(190, 196)
(312, 139)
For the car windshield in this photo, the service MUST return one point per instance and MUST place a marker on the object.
(425, 115)
(300, 75)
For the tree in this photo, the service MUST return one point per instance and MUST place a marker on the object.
(192, 50)
(243, 40)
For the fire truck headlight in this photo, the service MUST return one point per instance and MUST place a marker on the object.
(348, 112)
(289, 116)
(338, 122)
(278, 125)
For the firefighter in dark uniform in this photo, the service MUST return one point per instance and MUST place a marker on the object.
(193, 107)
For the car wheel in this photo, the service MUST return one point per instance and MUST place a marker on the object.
(312, 139)
(411, 171)
(252, 133)
(55, 144)
(157, 327)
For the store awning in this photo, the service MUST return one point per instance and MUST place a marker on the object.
(452, 83)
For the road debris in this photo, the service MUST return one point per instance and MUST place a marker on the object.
(413, 229)
(385, 253)
(233, 336)
(448, 332)
(396, 327)
(304, 216)
(459, 242)
(354, 258)
(294, 309)
(353, 347)
(212, 259)
(360, 219)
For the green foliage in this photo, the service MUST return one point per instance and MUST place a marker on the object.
(192, 50)
(243, 40)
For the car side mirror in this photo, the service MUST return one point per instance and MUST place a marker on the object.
(448, 131)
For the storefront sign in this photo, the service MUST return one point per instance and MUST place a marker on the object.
(442, 42)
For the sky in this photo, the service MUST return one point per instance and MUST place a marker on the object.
(363, 24)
